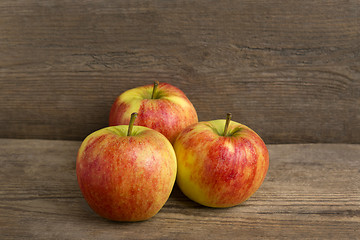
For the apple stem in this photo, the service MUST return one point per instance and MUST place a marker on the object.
(131, 124)
(156, 83)
(228, 118)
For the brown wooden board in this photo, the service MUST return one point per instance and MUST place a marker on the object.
(312, 191)
(288, 69)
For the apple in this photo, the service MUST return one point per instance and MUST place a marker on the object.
(161, 107)
(126, 173)
(221, 163)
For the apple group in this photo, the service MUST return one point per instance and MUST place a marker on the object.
(127, 171)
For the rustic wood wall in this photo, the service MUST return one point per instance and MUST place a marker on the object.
(290, 70)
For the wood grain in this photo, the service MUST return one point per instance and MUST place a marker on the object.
(288, 69)
(312, 191)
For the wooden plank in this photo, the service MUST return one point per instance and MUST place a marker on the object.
(312, 191)
(289, 70)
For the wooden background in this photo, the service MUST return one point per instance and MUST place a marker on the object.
(290, 70)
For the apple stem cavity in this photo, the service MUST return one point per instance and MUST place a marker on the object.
(131, 124)
(156, 84)
(227, 123)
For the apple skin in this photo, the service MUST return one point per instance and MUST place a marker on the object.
(168, 113)
(126, 178)
(220, 171)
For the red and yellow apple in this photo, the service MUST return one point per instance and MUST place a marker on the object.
(161, 107)
(221, 163)
(126, 173)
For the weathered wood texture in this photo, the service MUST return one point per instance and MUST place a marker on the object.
(288, 69)
(311, 192)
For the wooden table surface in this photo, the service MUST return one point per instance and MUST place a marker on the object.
(311, 191)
